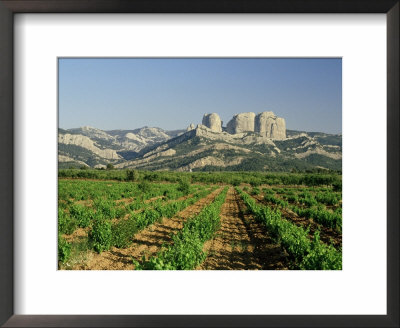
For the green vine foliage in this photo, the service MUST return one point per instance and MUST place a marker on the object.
(64, 249)
(122, 232)
(66, 225)
(101, 234)
(186, 251)
(82, 214)
(308, 254)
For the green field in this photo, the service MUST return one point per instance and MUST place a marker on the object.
(146, 220)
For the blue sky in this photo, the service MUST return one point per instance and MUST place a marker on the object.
(131, 93)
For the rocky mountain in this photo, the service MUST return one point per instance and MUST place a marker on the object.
(212, 121)
(96, 148)
(248, 142)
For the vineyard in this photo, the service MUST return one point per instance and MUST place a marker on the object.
(213, 221)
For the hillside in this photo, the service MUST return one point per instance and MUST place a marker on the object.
(94, 147)
(198, 149)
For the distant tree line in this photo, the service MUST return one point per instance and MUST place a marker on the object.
(235, 178)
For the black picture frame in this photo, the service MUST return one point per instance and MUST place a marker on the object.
(10, 7)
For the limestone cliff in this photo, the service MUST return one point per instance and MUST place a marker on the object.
(243, 122)
(213, 122)
(86, 142)
(271, 126)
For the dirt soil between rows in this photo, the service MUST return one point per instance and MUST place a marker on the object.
(80, 233)
(241, 243)
(327, 235)
(146, 242)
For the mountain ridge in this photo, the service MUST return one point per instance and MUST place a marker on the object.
(199, 148)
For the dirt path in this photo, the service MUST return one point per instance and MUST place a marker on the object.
(241, 243)
(147, 242)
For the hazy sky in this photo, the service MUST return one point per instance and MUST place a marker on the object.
(172, 93)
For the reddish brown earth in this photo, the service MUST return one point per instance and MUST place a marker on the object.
(241, 243)
(145, 243)
(78, 235)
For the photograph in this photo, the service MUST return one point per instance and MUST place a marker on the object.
(157, 153)
(199, 163)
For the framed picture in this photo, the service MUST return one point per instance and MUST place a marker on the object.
(217, 140)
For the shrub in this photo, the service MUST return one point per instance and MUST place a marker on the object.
(337, 186)
(81, 214)
(321, 257)
(327, 198)
(292, 198)
(236, 182)
(120, 212)
(184, 187)
(147, 217)
(101, 236)
(66, 225)
(106, 208)
(255, 183)
(269, 191)
(186, 252)
(122, 232)
(168, 210)
(132, 175)
(294, 239)
(322, 216)
(64, 249)
(144, 186)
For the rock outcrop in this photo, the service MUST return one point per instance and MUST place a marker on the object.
(269, 125)
(243, 122)
(86, 142)
(237, 138)
(213, 122)
(190, 127)
(210, 161)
